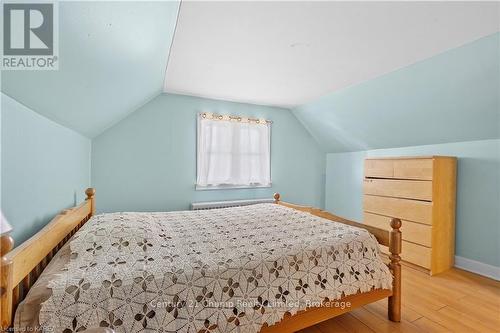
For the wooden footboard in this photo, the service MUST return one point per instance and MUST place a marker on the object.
(315, 315)
(21, 267)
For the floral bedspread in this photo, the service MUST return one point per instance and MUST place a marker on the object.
(221, 270)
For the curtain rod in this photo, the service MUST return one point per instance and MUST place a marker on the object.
(215, 116)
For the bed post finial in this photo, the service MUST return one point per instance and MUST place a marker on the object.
(276, 197)
(90, 192)
(395, 242)
(6, 287)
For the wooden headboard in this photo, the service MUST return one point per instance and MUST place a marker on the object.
(22, 266)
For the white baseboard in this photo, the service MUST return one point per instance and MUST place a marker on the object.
(477, 267)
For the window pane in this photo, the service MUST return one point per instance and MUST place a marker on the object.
(233, 153)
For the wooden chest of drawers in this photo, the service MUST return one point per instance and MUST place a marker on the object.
(421, 192)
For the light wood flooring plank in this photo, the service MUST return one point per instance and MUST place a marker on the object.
(454, 301)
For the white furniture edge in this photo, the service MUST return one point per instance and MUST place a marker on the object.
(478, 267)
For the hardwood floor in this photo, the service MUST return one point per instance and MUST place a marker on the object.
(454, 301)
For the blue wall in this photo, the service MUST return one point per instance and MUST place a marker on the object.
(451, 97)
(45, 168)
(343, 185)
(147, 162)
(112, 59)
(478, 196)
(446, 105)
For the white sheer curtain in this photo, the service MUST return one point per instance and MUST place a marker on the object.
(232, 153)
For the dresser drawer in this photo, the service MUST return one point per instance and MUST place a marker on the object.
(419, 168)
(411, 231)
(416, 254)
(413, 253)
(413, 210)
(379, 168)
(420, 190)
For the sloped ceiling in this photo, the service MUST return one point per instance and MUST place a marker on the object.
(289, 53)
(113, 57)
(451, 97)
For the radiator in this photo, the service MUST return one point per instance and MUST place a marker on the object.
(225, 204)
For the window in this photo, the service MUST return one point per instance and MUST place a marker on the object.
(233, 152)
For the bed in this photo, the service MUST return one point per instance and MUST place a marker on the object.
(263, 268)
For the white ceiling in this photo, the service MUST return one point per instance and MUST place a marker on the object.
(289, 53)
